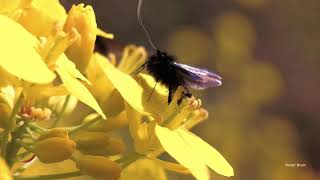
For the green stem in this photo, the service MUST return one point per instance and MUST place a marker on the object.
(127, 160)
(51, 176)
(21, 156)
(13, 147)
(84, 125)
(63, 109)
(8, 130)
(22, 144)
(37, 128)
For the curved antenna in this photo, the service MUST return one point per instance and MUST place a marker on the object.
(142, 26)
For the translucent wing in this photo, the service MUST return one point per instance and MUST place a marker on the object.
(198, 78)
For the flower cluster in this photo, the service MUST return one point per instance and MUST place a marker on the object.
(50, 76)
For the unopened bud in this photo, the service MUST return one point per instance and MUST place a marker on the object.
(98, 143)
(54, 149)
(83, 20)
(99, 167)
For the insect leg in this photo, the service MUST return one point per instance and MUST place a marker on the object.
(152, 90)
(184, 94)
(172, 89)
(188, 93)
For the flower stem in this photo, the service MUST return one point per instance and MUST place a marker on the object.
(84, 125)
(8, 130)
(63, 109)
(51, 176)
(127, 160)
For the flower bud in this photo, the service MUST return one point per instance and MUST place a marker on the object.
(4, 171)
(111, 123)
(36, 114)
(54, 149)
(98, 167)
(83, 20)
(56, 132)
(98, 143)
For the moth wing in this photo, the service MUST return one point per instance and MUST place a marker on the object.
(198, 78)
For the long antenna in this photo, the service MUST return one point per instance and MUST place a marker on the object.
(142, 26)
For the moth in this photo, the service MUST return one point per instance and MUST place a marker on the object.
(166, 70)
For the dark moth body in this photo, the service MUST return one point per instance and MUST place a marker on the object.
(161, 66)
(166, 70)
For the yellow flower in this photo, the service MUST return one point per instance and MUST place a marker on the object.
(146, 135)
(33, 64)
(98, 167)
(4, 171)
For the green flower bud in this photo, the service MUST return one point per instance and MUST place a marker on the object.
(55, 149)
(99, 167)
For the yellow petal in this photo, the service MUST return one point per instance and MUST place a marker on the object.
(210, 156)
(129, 89)
(104, 34)
(8, 5)
(42, 16)
(77, 89)
(18, 54)
(158, 102)
(69, 66)
(101, 86)
(81, 18)
(180, 151)
(4, 171)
